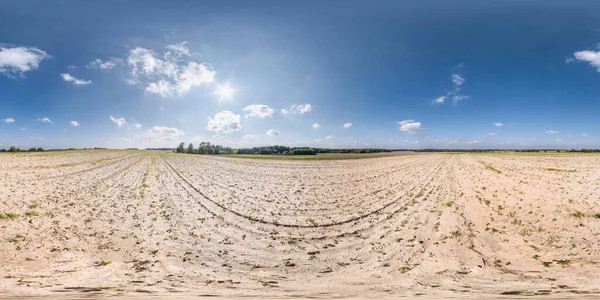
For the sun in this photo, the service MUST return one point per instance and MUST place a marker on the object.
(224, 91)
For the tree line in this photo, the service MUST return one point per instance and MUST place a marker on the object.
(15, 149)
(203, 148)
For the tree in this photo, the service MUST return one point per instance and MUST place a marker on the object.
(32, 149)
(180, 147)
(13, 149)
(40, 149)
(190, 149)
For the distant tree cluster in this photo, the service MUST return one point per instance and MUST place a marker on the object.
(203, 148)
(585, 150)
(15, 149)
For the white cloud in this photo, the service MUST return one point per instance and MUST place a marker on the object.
(347, 125)
(409, 126)
(249, 137)
(23, 129)
(45, 120)
(19, 60)
(474, 142)
(498, 124)
(119, 121)
(440, 100)
(457, 80)
(591, 57)
(258, 110)
(329, 137)
(76, 81)
(552, 132)
(8, 120)
(584, 135)
(105, 65)
(462, 64)
(285, 111)
(558, 140)
(300, 108)
(316, 125)
(162, 132)
(491, 134)
(136, 125)
(272, 132)
(458, 98)
(225, 122)
(174, 73)
(74, 123)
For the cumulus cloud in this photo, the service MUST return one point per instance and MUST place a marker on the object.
(105, 65)
(8, 120)
(347, 125)
(258, 110)
(498, 124)
(409, 126)
(76, 81)
(74, 123)
(45, 120)
(329, 137)
(552, 132)
(173, 73)
(272, 132)
(285, 111)
(440, 100)
(316, 125)
(591, 57)
(162, 132)
(18, 60)
(119, 121)
(224, 122)
(299, 108)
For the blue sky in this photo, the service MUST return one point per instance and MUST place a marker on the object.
(391, 74)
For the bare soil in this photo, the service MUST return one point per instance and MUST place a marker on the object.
(135, 223)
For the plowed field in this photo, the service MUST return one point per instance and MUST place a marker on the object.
(459, 225)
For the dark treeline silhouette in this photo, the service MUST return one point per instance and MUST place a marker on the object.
(203, 148)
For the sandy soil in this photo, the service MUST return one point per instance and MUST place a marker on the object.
(135, 223)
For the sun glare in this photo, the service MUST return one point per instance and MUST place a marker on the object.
(225, 92)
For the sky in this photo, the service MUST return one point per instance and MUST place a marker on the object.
(340, 74)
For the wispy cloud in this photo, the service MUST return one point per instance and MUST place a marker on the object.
(347, 125)
(552, 132)
(119, 121)
(45, 120)
(299, 108)
(439, 100)
(8, 120)
(76, 81)
(163, 132)
(111, 63)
